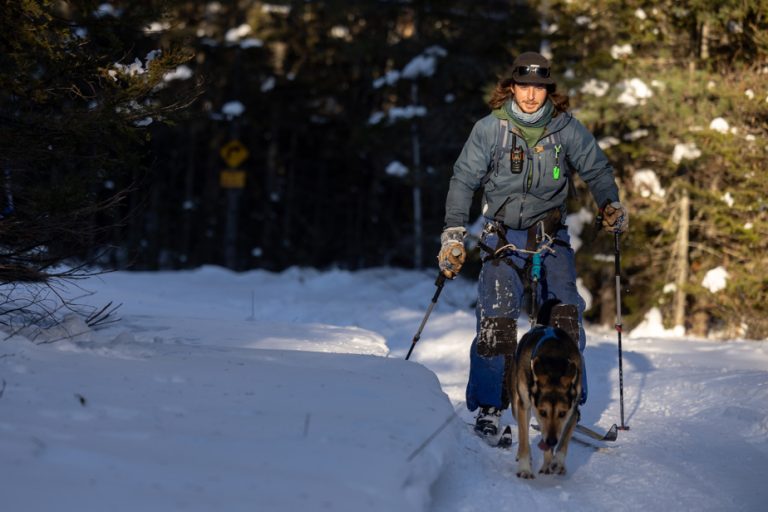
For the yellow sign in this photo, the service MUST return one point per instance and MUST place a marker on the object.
(234, 153)
(232, 178)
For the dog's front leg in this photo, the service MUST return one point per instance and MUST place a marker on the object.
(523, 417)
(546, 466)
(557, 465)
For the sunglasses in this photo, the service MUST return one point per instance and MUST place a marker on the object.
(533, 69)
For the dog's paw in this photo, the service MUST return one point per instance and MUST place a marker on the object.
(555, 468)
(524, 471)
(526, 474)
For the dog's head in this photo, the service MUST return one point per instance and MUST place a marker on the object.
(555, 390)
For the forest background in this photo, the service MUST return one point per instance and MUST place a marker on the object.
(248, 134)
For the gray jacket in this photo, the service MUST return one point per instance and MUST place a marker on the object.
(521, 200)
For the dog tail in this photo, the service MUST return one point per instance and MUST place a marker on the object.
(545, 311)
(563, 316)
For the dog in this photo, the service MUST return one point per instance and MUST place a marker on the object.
(546, 378)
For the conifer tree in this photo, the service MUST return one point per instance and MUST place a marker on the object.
(676, 92)
(76, 93)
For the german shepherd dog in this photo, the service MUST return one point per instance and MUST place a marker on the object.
(546, 377)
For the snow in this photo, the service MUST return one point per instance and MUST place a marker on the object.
(376, 117)
(576, 222)
(595, 87)
(545, 49)
(276, 9)
(719, 125)
(390, 78)
(395, 113)
(104, 10)
(715, 279)
(608, 142)
(635, 134)
(422, 65)
(621, 51)
(233, 109)
(133, 69)
(652, 326)
(288, 391)
(234, 35)
(157, 27)
(406, 112)
(268, 84)
(182, 72)
(647, 182)
(685, 151)
(340, 32)
(251, 42)
(397, 169)
(634, 92)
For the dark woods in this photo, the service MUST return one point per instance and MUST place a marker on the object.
(170, 134)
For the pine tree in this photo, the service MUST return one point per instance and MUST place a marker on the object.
(680, 88)
(76, 94)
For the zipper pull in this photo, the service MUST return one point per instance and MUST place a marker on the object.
(556, 168)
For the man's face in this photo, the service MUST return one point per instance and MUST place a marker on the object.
(529, 97)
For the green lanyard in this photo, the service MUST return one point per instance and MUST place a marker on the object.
(556, 168)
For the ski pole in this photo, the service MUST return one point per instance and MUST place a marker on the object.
(617, 264)
(440, 282)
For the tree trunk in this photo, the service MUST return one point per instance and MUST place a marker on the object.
(681, 263)
(704, 47)
(416, 168)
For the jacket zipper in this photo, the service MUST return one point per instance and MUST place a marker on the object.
(526, 187)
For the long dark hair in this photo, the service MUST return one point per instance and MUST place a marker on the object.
(503, 93)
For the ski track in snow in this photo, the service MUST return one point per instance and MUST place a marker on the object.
(698, 437)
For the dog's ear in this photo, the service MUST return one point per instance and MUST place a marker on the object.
(571, 374)
(537, 366)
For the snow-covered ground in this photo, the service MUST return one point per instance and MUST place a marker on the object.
(264, 391)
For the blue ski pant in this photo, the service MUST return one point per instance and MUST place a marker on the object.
(500, 295)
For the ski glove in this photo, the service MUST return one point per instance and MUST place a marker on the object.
(615, 218)
(452, 253)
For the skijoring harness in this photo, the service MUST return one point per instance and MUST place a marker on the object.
(498, 335)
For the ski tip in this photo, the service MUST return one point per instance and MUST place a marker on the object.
(612, 434)
(505, 441)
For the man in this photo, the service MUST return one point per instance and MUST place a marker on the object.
(523, 155)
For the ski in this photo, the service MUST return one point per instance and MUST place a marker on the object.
(505, 441)
(611, 435)
(594, 440)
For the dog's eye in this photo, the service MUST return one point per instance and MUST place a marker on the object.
(561, 414)
(543, 413)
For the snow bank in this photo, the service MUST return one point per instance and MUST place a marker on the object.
(652, 326)
(166, 426)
